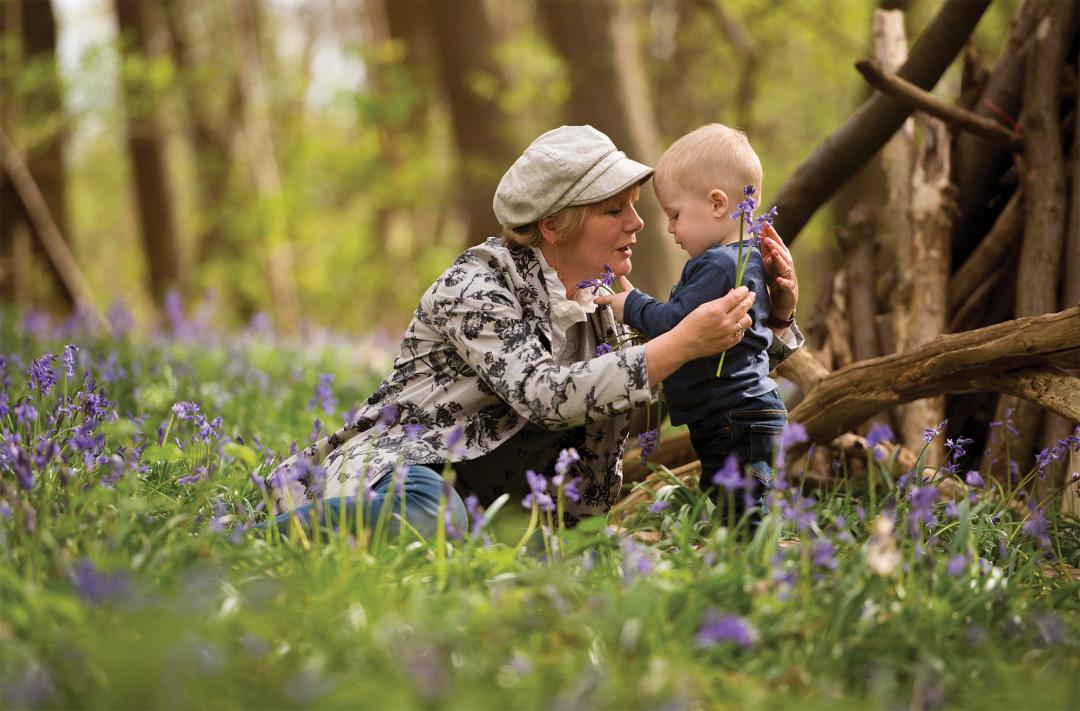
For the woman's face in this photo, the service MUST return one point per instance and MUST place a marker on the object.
(606, 238)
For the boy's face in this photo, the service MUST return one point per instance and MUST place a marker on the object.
(695, 221)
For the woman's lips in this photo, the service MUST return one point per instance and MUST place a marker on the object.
(627, 250)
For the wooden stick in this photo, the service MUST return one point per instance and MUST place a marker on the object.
(892, 85)
(45, 227)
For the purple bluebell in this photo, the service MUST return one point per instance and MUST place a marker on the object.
(659, 505)
(15, 458)
(69, 360)
(316, 430)
(792, 434)
(537, 488)
(931, 433)
(824, 554)
(566, 460)
(185, 410)
(957, 565)
(42, 375)
(388, 415)
(603, 349)
(1035, 526)
(5, 509)
(647, 441)
(97, 586)
(197, 474)
(879, 434)
(25, 413)
(637, 561)
(120, 319)
(717, 628)
(606, 279)
(413, 431)
(476, 514)
(922, 500)
(1006, 422)
(570, 487)
(46, 451)
(324, 395)
(951, 511)
(5, 409)
(729, 477)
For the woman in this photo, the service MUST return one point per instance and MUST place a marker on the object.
(498, 371)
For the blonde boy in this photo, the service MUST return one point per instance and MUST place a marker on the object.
(700, 181)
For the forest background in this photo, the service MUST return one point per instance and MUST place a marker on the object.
(325, 160)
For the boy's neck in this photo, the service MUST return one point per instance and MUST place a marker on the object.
(731, 237)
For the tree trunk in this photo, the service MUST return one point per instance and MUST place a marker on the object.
(464, 41)
(848, 148)
(1043, 178)
(211, 138)
(146, 147)
(30, 29)
(280, 265)
(922, 259)
(595, 41)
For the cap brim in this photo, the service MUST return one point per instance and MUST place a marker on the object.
(613, 179)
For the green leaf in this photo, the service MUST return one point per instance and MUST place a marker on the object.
(242, 452)
(168, 453)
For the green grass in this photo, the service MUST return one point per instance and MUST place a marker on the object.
(154, 594)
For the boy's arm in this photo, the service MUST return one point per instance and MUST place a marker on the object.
(706, 282)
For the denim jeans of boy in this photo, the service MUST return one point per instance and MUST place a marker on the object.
(749, 432)
(421, 489)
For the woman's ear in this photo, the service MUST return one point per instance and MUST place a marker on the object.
(547, 234)
(721, 206)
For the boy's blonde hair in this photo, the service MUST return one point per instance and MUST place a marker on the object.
(710, 157)
(567, 222)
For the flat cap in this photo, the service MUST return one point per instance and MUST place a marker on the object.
(569, 165)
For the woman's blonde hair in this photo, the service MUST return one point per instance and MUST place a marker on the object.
(567, 222)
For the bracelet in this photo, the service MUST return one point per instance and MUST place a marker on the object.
(773, 322)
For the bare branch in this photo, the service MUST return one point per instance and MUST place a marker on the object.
(926, 102)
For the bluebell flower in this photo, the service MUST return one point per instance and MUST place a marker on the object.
(566, 460)
(537, 495)
(659, 505)
(25, 413)
(878, 434)
(413, 431)
(324, 395)
(42, 375)
(931, 433)
(476, 514)
(1035, 526)
(974, 480)
(454, 441)
(729, 477)
(603, 349)
(97, 586)
(957, 565)
(606, 279)
(647, 441)
(1006, 422)
(824, 554)
(69, 360)
(716, 628)
(792, 434)
(185, 410)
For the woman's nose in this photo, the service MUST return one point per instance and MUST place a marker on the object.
(635, 222)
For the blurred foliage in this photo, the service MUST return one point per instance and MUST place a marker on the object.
(367, 169)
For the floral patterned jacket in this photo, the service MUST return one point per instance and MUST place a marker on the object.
(475, 365)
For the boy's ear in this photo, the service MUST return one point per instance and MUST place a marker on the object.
(720, 203)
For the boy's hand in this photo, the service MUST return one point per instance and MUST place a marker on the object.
(617, 300)
(779, 274)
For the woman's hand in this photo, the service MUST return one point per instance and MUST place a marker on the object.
(779, 274)
(713, 327)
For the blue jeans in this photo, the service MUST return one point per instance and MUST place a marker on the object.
(422, 489)
(749, 432)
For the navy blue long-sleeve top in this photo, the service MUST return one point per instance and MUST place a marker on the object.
(694, 392)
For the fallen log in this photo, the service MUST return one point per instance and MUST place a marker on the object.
(971, 361)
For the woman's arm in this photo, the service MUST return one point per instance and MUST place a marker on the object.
(705, 331)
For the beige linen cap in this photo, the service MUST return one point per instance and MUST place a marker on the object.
(568, 165)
